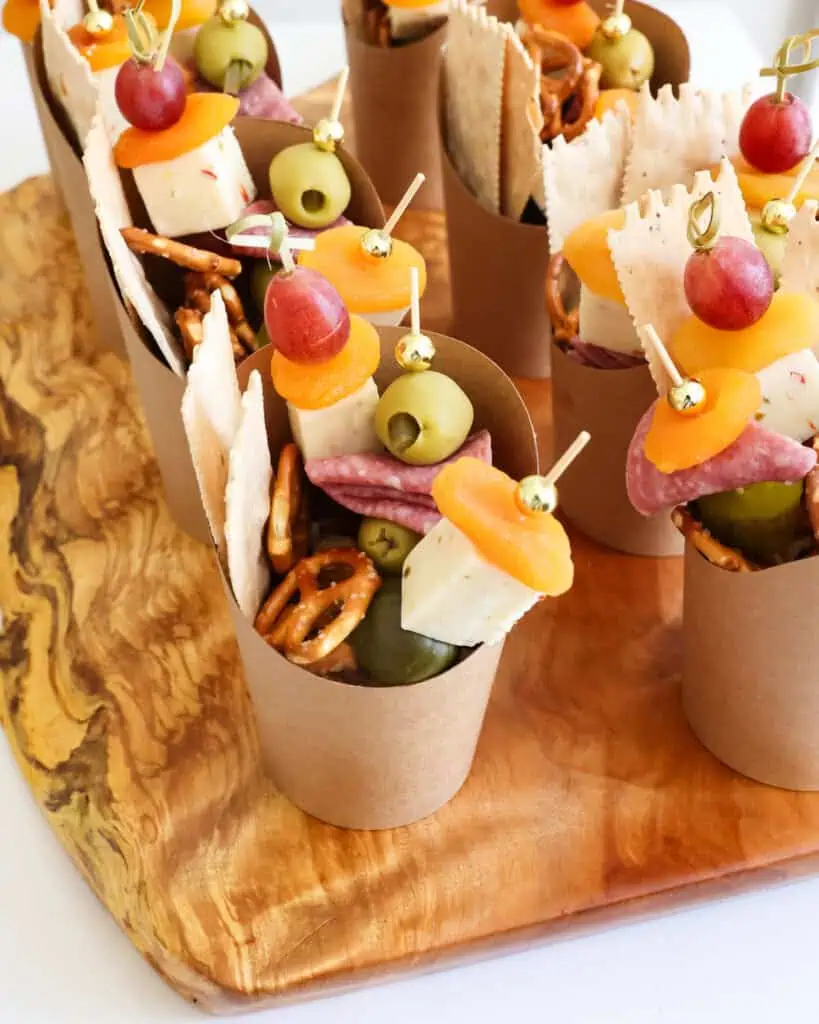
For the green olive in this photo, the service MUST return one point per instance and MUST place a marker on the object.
(627, 61)
(393, 656)
(423, 418)
(309, 186)
(230, 57)
(387, 544)
(260, 277)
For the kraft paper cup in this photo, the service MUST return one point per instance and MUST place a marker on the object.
(497, 264)
(394, 102)
(609, 404)
(369, 757)
(31, 73)
(750, 682)
(160, 389)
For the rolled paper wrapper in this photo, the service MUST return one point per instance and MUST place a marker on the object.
(394, 102)
(609, 404)
(750, 682)
(160, 389)
(42, 115)
(370, 757)
(72, 184)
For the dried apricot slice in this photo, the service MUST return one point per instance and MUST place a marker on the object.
(609, 98)
(368, 284)
(194, 13)
(480, 500)
(577, 22)
(21, 18)
(758, 188)
(790, 324)
(675, 441)
(319, 385)
(205, 115)
(587, 252)
(102, 52)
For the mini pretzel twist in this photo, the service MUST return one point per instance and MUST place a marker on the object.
(564, 325)
(301, 630)
(377, 23)
(717, 553)
(189, 322)
(567, 100)
(287, 528)
(198, 289)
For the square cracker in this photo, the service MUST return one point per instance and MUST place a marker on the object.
(800, 266)
(674, 138)
(651, 250)
(210, 465)
(113, 214)
(247, 503)
(69, 75)
(584, 178)
(522, 123)
(473, 75)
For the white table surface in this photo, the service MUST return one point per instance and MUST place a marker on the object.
(63, 960)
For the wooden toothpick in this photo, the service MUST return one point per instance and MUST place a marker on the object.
(341, 88)
(663, 355)
(401, 208)
(567, 458)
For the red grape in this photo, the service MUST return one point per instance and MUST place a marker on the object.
(150, 99)
(305, 316)
(775, 135)
(729, 286)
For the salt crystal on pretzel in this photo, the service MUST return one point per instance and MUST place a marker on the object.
(247, 502)
(584, 177)
(69, 74)
(113, 215)
(673, 138)
(651, 250)
(800, 265)
(473, 77)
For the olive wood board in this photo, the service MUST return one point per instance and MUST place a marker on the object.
(123, 702)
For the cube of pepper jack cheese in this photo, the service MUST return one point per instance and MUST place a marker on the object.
(790, 396)
(452, 594)
(202, 190)
(411, 22)
(344, 428)
(606, 323)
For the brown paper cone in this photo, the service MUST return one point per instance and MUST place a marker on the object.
(609, 404)
(69, 174)
(159, 388)
(394, 98)
(751, 668)
(381, 757)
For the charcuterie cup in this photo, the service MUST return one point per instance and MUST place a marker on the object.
(750, 680)
(377, 757)
(609, 404)
(159, 387)
(497, 263)
(394, 103)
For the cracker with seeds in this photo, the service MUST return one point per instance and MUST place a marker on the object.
(522, 122)
(673, 138)
(69, 74)
(473, 82)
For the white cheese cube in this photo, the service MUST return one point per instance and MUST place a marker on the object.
(203, 190)
(790, 396)
(607, 324)
(392, 318)
(115, 124)
(449, 592)
(346, 428)
(407, 22)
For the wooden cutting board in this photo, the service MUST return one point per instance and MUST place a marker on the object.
(123, 702)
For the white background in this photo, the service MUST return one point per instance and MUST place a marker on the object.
(751, 960)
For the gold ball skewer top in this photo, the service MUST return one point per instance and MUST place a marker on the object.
(687, 398)
(377, 244)
(414, 352)
(98, 23)
(777, 215)
(231, 11)
(616, 27)
(536, 495)
(328, 134)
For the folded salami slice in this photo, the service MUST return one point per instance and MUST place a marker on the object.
(757, 456)
(262, 98)
(602, 358)
(262, 249)
(381, 486)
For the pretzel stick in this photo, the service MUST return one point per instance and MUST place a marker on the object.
(179, 253)
(717, 553)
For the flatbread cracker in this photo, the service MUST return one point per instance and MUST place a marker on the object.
(674, 138)
(69, 75)
(651, 250)
(113, 215)
(473, 75)
(247, 503)
(800, 265)
(522, 123)
(213, 373)
(210, 465)
(68, 12)
(584, 178)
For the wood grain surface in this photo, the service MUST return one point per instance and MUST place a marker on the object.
(124, 705)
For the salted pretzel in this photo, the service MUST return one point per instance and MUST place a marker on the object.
(186, 256)
(717, 553)
(189, 323)
(287, 528)
(567, 99)
(198, 290)
(564, 325)
(323, 616)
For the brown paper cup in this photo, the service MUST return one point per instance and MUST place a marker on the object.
(394, 97)
(609, 404)
(371, 757)
(31, 72)
(159, 388)
(750, 681)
